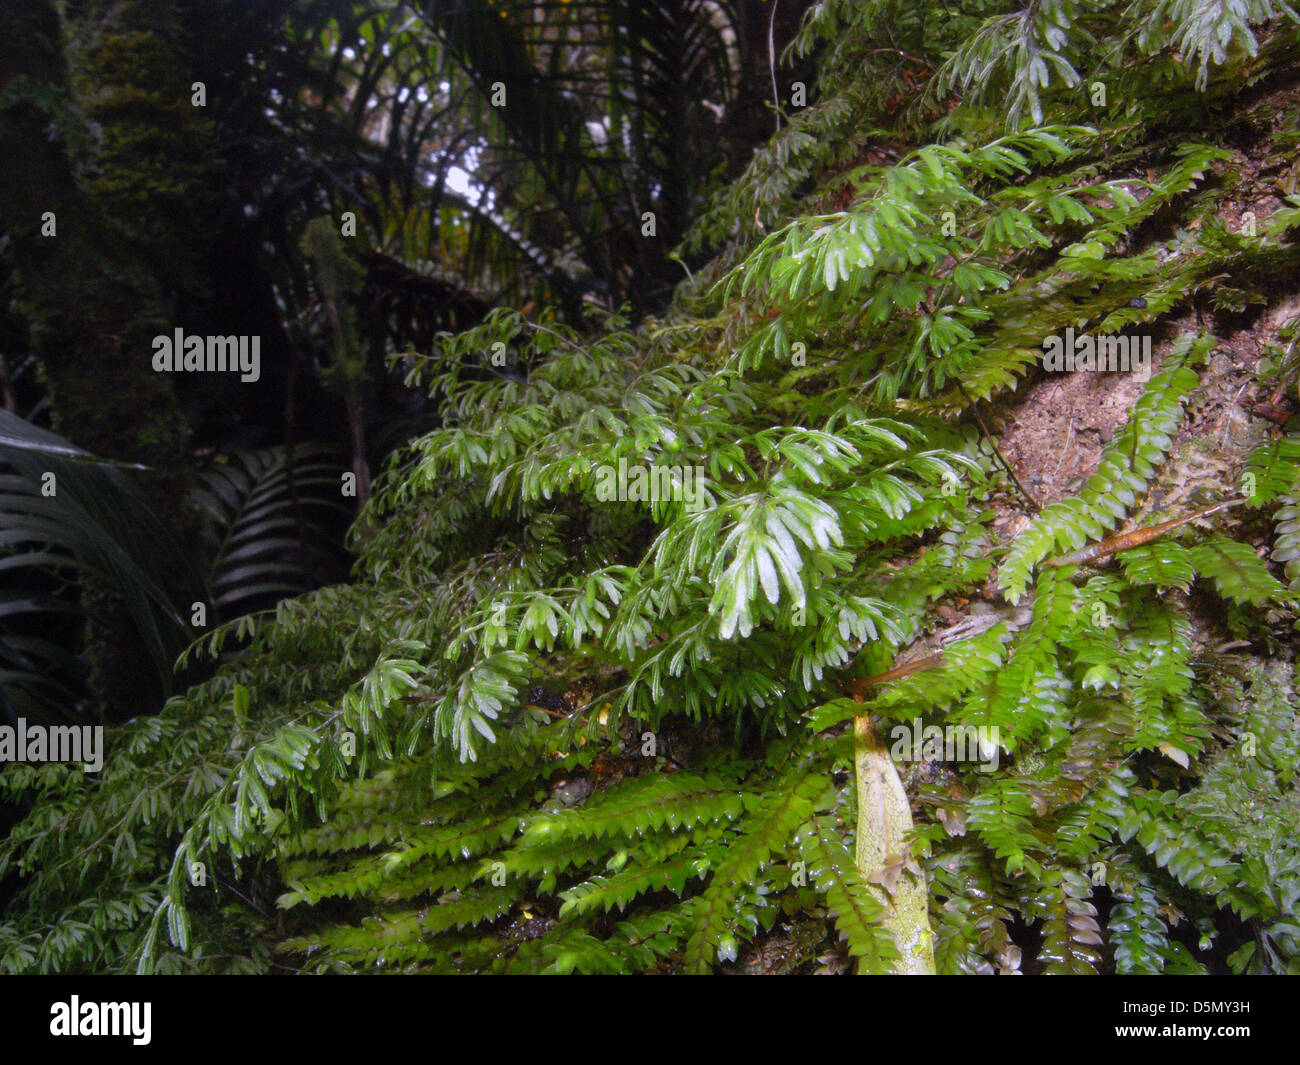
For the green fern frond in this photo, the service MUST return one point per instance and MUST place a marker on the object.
(1236, 571)
(782, 811)
(858, 915)
(1127, 465)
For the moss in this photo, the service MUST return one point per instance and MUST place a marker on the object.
(93, 294)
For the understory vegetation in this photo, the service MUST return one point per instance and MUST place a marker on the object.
(540, 729)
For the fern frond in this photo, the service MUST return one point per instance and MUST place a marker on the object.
(1127, 465)
(784, 808)
(857, 913)
(1236, 571)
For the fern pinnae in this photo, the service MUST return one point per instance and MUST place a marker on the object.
(770, 828)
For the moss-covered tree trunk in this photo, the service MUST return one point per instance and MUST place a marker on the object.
(96, 213)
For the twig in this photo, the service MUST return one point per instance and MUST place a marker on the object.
(1033, 506)
(771, 60)
(857, 685)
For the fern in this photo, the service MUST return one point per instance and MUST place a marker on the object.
(787, 805)
(852, 905)
(1125, 469)
(1236, 571)
(547, 730)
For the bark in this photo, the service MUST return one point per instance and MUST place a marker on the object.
(91, 292)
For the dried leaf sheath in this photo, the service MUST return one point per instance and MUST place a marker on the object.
(1135, 538)
(884, 820)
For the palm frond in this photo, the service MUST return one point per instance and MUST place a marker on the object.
(65, 516)
(265, 524)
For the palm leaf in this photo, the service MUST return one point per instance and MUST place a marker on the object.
(265, 524)
(66, 515)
